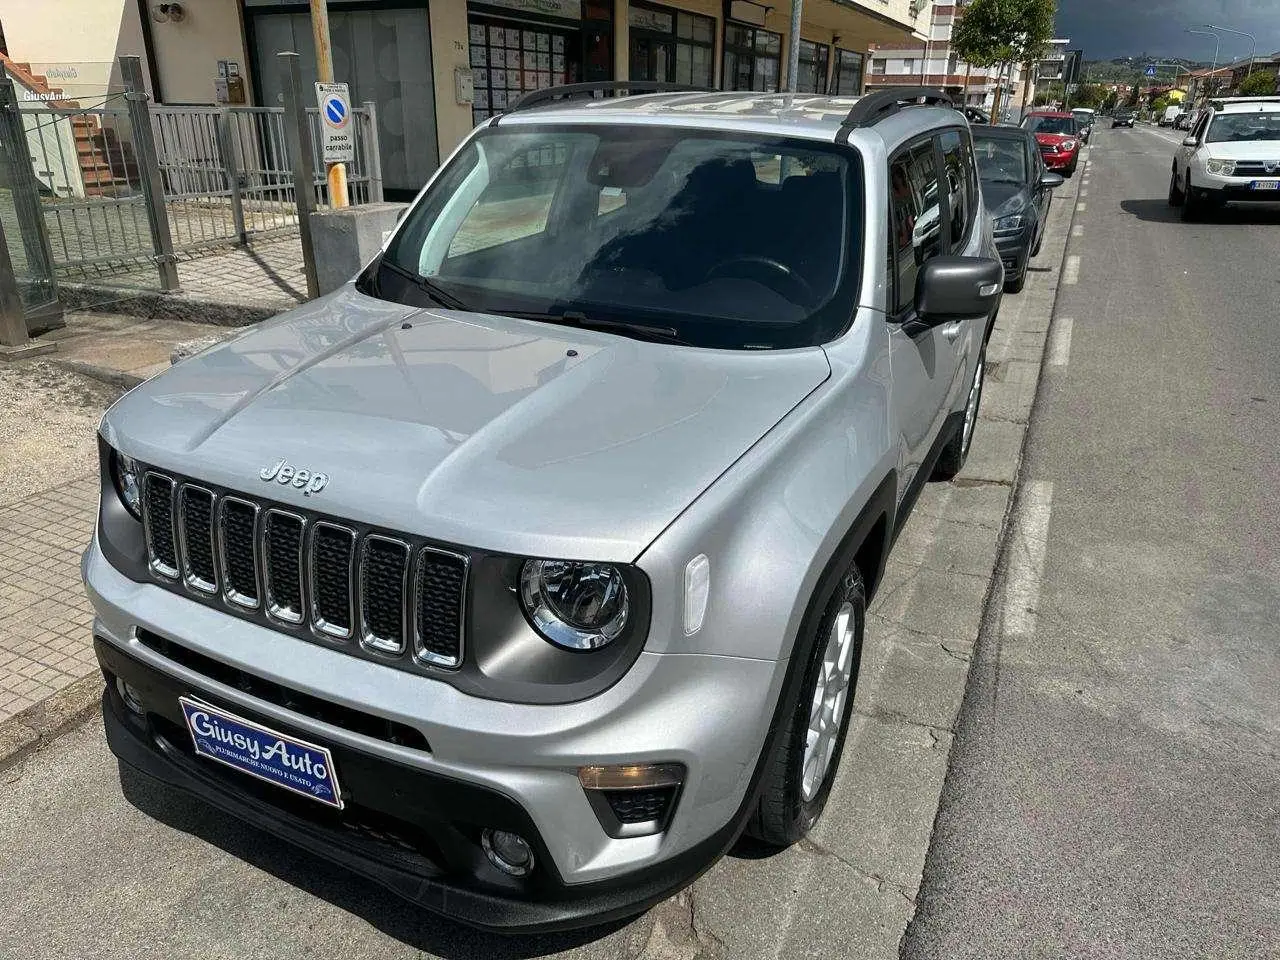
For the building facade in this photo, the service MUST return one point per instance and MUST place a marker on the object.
(933, 62)
(436, 68)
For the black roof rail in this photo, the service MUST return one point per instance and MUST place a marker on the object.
(569, 91)
(874, 107)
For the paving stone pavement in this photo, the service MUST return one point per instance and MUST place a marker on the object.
(46, 619)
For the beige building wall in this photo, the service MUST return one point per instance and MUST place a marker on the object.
(187, 53)
(449, 50)
(76, 40)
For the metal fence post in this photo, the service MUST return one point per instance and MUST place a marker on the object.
(297, 133)
(231, 168)
(372, 153)
(14, 343)
(144, 145)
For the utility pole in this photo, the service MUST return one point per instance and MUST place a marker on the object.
(337, 172)
(793, 50)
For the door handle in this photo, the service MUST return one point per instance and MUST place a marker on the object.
(951, 331)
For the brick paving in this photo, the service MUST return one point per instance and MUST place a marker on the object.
(45, 617)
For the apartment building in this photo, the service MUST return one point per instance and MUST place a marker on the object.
(932, 62)
(438, 67)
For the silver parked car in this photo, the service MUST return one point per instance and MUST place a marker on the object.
(526, 572)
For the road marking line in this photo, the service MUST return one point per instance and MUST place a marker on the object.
(1060, 342)
(1078, 230)
(1071, 275)
(1082, 207)
(1028, 546)
(1084, 193)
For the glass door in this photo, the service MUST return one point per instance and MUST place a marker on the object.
(652, 57)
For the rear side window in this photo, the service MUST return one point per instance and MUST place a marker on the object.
(962, 192)
(915, 229)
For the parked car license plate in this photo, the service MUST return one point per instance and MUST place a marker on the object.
(261, 752)
(1266, 184)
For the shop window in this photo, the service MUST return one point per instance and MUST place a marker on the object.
(508, 61)
(752, 58)
(847, 79)
(670, 45)
(814, 58)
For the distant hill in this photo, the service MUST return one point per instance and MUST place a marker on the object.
(1133, 69)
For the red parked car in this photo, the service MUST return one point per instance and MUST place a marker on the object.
(1058, 135)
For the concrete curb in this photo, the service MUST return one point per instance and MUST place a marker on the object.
(43, 722)
(153, 305)
(107, 375)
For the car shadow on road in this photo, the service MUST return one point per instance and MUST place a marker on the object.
(413, 926)
(1159, 211)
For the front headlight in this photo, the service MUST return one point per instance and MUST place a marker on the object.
(1223, 168)
(1011, 224)
(575, 605)
(1067, 146)
(127, 478)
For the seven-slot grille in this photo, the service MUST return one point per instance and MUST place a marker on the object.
(383, 592)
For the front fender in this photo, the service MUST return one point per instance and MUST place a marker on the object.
(772, 524)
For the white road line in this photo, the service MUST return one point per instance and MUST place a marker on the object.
(1071, 274)
(1082, 207)
(1028, 546)
(1078, 230)
(1060, 342)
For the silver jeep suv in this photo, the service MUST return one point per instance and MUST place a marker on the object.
(529, 570)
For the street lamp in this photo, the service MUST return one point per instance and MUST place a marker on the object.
(1253, 49)
(1217, 48)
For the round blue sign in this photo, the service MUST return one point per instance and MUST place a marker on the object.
(335, 111)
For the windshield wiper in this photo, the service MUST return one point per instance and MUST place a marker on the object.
(433, 290)
(576, 318)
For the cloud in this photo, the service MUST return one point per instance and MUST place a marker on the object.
(1115, 28)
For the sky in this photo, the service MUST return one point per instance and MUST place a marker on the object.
(1117, 28)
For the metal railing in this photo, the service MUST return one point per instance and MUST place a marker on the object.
(224, 177)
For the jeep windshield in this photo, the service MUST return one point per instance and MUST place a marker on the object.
(735, 241)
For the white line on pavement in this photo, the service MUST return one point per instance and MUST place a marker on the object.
(1028, 545)
(1060, 342)
(1071, 273)
(1078, 230)
(1082, 207)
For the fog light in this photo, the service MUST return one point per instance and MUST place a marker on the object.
(130, 697)
(509, 852)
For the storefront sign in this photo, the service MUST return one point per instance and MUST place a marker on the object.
(564, 9)
(644, 19)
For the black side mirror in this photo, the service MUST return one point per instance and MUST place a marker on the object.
(957, 288)
(1049, 180)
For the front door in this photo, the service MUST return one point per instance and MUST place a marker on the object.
(922, 362)
(385, 56)
(653, 57)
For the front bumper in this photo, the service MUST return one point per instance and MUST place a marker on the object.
(1220, 189)
(1015, 251)
(511, 763)
(1059, 161)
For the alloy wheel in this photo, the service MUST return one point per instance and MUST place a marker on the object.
(971, 407)
(826, 713)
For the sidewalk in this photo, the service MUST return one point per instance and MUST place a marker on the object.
(123, 350)
(238, 286)
(48, 503)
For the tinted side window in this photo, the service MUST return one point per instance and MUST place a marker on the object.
(1201, 126)
(915, 229)
(957, 159)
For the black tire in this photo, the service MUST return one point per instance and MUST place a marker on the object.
(1071, 170)
(1191, 204)
(956, 452)
(782, 815)
(1176, 196)
(1017, 283)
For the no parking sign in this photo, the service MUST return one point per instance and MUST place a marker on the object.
(337, 141)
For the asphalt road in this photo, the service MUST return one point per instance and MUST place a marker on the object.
(1114, 786)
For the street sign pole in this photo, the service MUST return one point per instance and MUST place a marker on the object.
(337, 172)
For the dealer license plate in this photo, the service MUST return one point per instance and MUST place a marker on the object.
(261, 752)
(1266, 184)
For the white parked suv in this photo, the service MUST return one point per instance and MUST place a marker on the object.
(1232, 154)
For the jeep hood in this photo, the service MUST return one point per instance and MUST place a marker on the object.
(503, 434)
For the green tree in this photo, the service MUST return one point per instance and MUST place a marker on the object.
(1259, 84)
(1000, 33)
